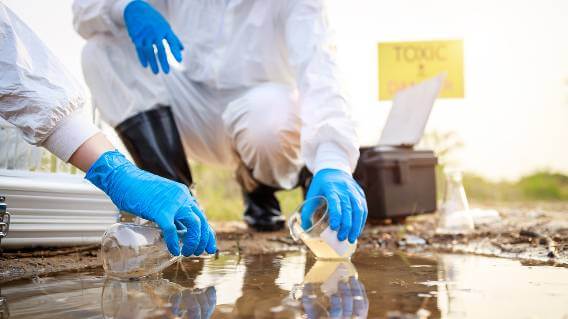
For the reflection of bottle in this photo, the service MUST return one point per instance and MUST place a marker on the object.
(4, 311)
(329, 274)
(132, 251)
(331, 289)
(454, 216)
(155, 298)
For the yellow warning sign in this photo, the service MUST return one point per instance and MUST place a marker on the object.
(402, 64)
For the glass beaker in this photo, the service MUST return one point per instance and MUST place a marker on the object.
(454, 216)
(319, 238)
(134, 251)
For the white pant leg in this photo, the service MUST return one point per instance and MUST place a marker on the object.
(264, 127)
(120, 87)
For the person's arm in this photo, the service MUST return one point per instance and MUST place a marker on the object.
(37, 94)
(41, 99)
(91, 17)
(329, 141)
(146, 26)
(90, 151)
(167, 203)
(328, 138)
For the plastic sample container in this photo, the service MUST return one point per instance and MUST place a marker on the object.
(398, 182)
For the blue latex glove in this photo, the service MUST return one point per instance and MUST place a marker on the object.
(347, 205)
(154, 198)
(147, 29)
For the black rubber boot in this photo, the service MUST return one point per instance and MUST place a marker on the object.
(153, 141)
(304, 180)
(262, 212)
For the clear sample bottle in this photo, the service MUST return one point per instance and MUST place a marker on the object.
(454, 216)
(319, 238)
(133, 251)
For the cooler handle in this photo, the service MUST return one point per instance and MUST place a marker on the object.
(403, 171)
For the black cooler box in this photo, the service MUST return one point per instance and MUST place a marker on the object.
(397, 181)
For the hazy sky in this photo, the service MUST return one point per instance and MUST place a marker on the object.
(513, 118)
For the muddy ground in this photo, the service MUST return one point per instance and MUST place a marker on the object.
(532, 235)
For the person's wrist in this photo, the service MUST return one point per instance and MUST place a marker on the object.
(69, 135)
(103, 169)
(90, 151)
(117, 11)
(327, 171)
(329, 155)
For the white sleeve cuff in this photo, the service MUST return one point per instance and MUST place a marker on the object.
(117, 11)
(69, 134)
(329, 155)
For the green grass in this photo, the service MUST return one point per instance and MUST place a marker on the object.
(220, 195)
(539, 186)
(544, 186)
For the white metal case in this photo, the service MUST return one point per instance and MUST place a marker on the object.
(54, 209)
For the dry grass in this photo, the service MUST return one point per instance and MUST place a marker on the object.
(220, 195)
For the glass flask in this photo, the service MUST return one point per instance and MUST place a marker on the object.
(454, 216)
(320, 239)
(133, 251)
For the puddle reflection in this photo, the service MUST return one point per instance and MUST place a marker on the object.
(475, 287)
(294, 285)
(155, 298)
(278, 285)
(4, 311)
(331, 289)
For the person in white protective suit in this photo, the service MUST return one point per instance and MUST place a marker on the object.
(38, 96)
(257, 90)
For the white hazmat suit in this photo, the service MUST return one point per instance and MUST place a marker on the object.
(258, 83)
(37, 94)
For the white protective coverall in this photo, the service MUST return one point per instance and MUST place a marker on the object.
(258, 82)
(37, 94)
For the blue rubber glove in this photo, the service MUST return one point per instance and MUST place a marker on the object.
(154, 198)
(147, 29)
(347, 205)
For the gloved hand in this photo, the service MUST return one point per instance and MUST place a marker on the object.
(147, 29)
(165, 202)
(347, 206)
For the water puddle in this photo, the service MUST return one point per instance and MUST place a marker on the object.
(294, 285)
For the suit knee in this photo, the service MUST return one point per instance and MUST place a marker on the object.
(265, 121)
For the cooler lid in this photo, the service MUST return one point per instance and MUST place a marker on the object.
(410, 111)
(389, 157)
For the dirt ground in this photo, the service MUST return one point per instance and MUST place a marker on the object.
(532, 235)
